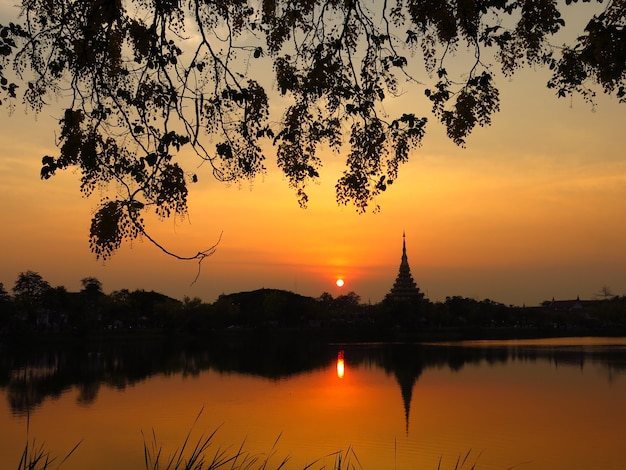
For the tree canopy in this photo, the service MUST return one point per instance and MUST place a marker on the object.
(140, 81)
(31, 286)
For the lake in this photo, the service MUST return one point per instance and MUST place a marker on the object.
(523, 404)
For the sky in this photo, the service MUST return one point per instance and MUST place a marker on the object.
(531, 209)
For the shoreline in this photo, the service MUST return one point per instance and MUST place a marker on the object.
(325, 335)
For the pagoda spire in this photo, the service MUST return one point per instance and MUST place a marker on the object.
(404, 287)
(404, 257)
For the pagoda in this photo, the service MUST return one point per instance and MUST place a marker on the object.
(404, 288)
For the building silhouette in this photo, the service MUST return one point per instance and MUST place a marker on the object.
(404, 288)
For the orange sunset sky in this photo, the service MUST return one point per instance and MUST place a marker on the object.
(533, 208)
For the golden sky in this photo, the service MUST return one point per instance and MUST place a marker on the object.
(533, 208)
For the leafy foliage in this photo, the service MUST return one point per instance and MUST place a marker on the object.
(30, 286)
(143, 81)
(91, 286)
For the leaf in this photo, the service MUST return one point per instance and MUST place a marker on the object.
(224, 150)
(49, 167)
(151, 159)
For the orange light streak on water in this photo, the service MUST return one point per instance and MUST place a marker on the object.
(341, 366)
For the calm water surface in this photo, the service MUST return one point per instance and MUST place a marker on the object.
(542, 404)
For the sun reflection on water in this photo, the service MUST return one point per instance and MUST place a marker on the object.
(341, 367)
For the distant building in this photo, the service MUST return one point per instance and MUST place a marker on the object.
(404, 288)
(569, 305)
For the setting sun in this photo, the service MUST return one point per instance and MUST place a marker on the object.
(339, 282)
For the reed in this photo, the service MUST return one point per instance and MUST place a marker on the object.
(198, 455)
(35, 456)
(201, 454)
(461, 461)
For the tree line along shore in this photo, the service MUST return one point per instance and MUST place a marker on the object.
(37, 307)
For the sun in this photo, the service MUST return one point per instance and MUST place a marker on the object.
(339, 282)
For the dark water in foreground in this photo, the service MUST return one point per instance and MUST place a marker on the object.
(533, 404)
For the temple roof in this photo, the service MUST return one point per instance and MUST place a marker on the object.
(404, 287)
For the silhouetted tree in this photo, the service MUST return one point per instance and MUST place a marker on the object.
(605, 293)
(141, 80)
(191, 304)
(611, 311)
(91, 286)
(30, 285)
(348, 301)
(4, 295)
(144, 305)
(92, 299)
(58, 308)
(29, 292)
(121, 309)
(341, 308)
(6, 308)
